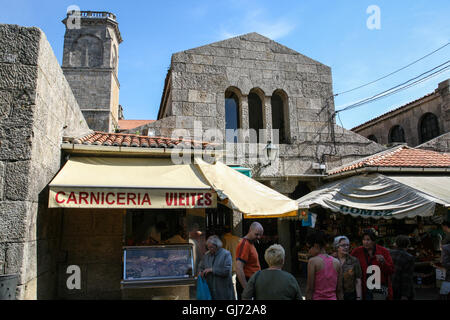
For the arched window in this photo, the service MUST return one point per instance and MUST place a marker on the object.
(396, 134)
(429, 127)
(232, 120)
(87, 51)
(255, 113)
(373, 138)
(278, 116)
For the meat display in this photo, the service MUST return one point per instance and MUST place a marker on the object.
(157, 262)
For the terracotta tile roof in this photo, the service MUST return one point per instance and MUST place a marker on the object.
(131, 124)
(401, 156)
(392, 111)
(132, 140)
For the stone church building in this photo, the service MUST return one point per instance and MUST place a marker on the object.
(422, 123)
(243, 83)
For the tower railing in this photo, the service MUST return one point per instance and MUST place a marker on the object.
(92, 14)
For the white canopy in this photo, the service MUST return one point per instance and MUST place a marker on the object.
(379, 196)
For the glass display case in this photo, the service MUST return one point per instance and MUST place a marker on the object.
(156, 266)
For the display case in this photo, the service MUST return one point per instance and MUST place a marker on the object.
(158, 266)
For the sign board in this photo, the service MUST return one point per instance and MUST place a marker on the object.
(90, 198)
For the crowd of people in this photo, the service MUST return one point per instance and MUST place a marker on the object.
(369, 272)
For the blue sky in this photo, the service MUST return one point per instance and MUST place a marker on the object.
(332, 32)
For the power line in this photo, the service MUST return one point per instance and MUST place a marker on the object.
(394, 72)
(399, 87)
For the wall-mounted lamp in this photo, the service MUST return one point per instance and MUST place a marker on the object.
(271, 151)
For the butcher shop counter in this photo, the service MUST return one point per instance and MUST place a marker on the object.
(158, 266)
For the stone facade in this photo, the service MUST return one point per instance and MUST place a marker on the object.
(440, 144)
(198, 79)
(410, 116)
(37, 110)
(90, 64)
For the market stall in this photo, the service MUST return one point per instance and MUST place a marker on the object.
(393, 205)
(163, 206)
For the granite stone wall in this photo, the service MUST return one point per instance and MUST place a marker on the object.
(37, 108)
(195, 92)
(409, 117)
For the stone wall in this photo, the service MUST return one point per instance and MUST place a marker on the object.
(195, 92)
(440, 144)
(409, 117)
(37, 108)
(92, 240)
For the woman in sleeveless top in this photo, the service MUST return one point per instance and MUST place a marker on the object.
(324, 272)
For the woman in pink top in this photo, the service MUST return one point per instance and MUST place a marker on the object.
(324, 272)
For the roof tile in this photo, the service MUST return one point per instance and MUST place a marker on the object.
(402, 156)
(132, 140)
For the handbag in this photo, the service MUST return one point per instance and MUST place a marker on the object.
(203, 292)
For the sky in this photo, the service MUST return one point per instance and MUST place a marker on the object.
(335, 33)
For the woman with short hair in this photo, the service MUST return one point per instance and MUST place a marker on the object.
(351, 270)
(216, 268)
(273, 283)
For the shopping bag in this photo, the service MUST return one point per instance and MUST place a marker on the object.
(202, 289)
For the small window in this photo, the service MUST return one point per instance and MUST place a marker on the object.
(232, 120)
(278, 117)
(255, 113)
(396, 134)
(373, 138)
(429, 127)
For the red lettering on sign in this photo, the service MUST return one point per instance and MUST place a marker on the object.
(169, 198)
(56, 197)
(121, 197)
(193, 198)
(200, 199)
(181, 199)
(72, 198)
(83, 196)
(94, 198)
(131, 197)
(208, 200)
(146, 199)
(107, 198)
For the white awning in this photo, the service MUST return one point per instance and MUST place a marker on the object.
(145, 183)
(96, 182)
(379, 196)
(245, 194)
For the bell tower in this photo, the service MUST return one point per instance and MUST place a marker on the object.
(90, 64)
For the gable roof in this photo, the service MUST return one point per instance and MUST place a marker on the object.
(399, 157)
(237, 43)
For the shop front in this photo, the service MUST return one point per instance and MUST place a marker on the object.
(136, 227)
(412, 205)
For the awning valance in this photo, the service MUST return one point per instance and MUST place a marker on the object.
(379, 196)
(145, 183)
(95, 182)
(245, 194)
